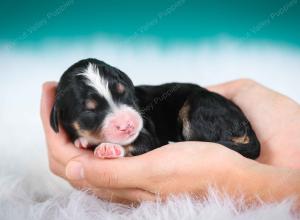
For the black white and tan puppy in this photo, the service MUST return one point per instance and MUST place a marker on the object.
(99, 107)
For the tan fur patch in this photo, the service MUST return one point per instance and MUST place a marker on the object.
(81, 132)
(128, 150)
(120, 88)
(184, 117)
(241, 140)
(90, 104)
(76, 126)
(86, 133)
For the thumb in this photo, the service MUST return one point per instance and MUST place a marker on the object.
(128, 172)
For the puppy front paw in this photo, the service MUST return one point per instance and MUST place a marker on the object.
(81, 142)
(109, 151)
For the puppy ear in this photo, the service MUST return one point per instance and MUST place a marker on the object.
(54, 118)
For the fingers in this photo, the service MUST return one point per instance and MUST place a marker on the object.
(124, 195)
(61, 150)
(126, 172)
(119, 195)
(47, 102)
(63, 153)
(59, 146)
(232, 88)
(57, 168)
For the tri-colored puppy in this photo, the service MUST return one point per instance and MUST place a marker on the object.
(99, 107)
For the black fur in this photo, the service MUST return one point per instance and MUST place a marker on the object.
(166, 110)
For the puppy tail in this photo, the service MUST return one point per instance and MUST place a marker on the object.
(250, 150)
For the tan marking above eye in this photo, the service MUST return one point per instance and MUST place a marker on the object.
(90, 104)
(120, 88)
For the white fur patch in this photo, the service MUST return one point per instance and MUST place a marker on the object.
(100, 84)
(124, 108)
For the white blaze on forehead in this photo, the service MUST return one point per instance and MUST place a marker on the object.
(94, 79)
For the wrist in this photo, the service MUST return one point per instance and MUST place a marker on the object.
(257, 181)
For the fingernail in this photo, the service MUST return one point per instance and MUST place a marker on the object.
(74, 171)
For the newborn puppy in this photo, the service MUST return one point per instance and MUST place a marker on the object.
(99, 107)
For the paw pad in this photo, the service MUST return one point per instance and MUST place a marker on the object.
(109, 151)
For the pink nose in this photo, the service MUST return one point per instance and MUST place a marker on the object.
(127, 127)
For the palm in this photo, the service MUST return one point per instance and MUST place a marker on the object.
(274, 117)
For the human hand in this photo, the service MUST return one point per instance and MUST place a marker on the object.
(141, 177)
(274, 117)
(168, 170)
(61, 150)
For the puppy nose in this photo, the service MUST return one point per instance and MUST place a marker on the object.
(126, 127)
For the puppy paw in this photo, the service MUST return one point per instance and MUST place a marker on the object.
(81, 142)
(109, 151)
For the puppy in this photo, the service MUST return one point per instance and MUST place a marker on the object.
(99, 107)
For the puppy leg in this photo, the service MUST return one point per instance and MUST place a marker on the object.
(109, 151)
(211, 118)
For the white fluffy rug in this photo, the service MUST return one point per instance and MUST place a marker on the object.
(29, 191)
(21, 199)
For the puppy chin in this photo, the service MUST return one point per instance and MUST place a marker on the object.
(128, 140)
(123, 142)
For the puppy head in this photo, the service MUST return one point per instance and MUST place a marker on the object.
(97, 101)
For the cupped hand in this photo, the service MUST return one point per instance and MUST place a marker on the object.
(61, 151)
(167, 170)
(274, 117)
(182, 167)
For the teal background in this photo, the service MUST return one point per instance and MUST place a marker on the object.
(26, 22)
